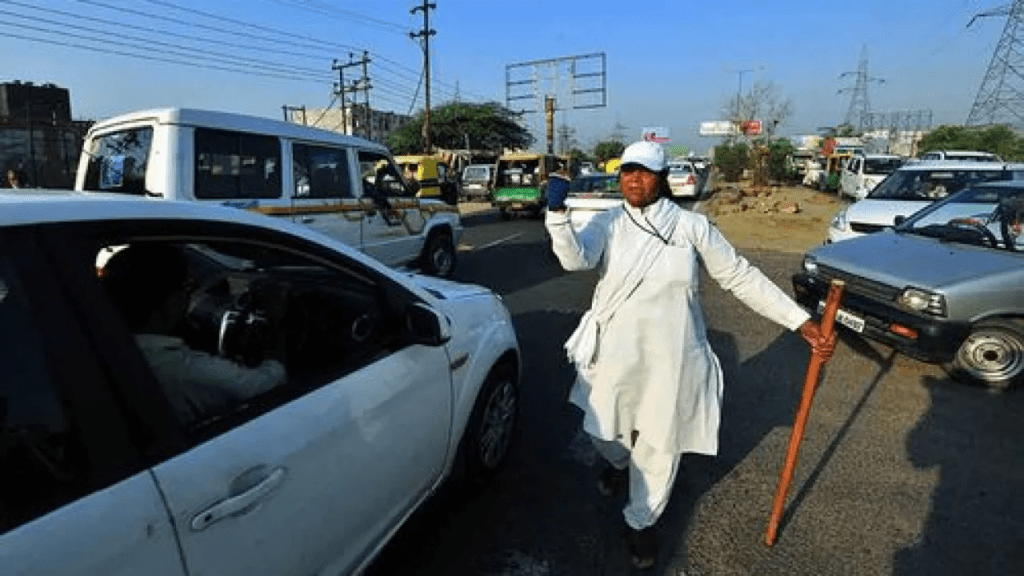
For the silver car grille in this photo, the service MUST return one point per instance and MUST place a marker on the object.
(858, 285)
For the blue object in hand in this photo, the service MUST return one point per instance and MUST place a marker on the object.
(558, 189)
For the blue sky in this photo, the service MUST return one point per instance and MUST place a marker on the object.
(667, 63)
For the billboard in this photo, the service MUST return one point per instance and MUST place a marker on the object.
(718, 128)
(657, 134)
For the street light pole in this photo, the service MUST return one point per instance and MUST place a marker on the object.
(739, 91)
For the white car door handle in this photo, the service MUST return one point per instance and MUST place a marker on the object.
(306, 219)
(239, 503)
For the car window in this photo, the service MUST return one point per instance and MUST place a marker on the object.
(932, 184)
(321, 172)
(236, 165)
(380, 176)
(41, 459)
(877, 166)
(679, 169)
(118, 161)
(231, 329)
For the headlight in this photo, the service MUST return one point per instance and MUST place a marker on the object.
(922, 301)
(839, 221)
(810, 265)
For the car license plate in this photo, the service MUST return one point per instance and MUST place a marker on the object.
(855, 323)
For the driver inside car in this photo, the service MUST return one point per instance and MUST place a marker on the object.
(151, 285)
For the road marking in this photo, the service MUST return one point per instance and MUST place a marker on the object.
(470, 247)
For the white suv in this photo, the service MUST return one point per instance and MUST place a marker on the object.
(304, 401)
(864, 171)
(346, 187)
(910, 188)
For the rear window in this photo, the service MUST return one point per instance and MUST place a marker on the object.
(118, 160)
(679, 169)
(476, 173)
(595, 187)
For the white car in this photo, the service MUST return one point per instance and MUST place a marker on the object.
(391, 382)
(864, 171)
(683, 179)
(588, 195)
(910, 188)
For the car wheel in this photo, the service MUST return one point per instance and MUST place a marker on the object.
(505, 214)
(491, 425)
(439, 255)
(992, 355)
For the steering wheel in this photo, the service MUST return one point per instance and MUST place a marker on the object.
(977, 227)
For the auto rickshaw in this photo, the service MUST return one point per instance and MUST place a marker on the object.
(429, 175)
(834, 164)
(520, 182)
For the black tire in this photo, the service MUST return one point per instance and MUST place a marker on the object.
(992, 355)
(505, 214)
(491, 426)
(439, 255)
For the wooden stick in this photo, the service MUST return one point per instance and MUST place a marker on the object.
(835, 294)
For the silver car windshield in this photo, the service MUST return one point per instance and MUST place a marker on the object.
(933, 184)
(988, 215)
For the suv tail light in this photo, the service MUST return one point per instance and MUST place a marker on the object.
(691, 180)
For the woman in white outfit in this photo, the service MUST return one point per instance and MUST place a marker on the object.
(648, 382)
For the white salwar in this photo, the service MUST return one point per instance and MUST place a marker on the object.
(641, 352)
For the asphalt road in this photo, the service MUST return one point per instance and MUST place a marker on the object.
(901, 471)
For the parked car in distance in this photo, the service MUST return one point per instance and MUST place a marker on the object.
(475, 182)
(910, 188)
(864, 171)
(968, 155)
(683, 179)
(591, 194)
(346, 187)
(944, 286)
(146, 430)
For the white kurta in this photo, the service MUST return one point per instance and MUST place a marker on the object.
(641, 351)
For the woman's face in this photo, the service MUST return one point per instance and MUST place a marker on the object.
(639, 185)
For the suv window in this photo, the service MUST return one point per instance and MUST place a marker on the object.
(380, 176)
(321, 172)
(117, 161)
(41, 459)
(234, 165)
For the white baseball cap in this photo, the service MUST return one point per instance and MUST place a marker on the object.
(650, 155)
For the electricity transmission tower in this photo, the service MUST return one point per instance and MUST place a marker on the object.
(859, 104)
(1000, 98)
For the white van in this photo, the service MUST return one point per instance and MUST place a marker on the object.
(344, 186)
(864, 171)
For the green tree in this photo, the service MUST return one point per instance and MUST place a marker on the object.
(605, 151)
(997, 139)
(732, 159)
(487, 126)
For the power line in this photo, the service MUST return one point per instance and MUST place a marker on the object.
(150, 57)
(335, 12)
(175, 49)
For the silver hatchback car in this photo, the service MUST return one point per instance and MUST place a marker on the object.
(946, 285)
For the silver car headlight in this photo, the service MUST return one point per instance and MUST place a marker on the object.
(839, 221)
(810, 265)
(920, 300)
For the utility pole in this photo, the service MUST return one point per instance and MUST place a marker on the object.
(425, 33)
(360, 84)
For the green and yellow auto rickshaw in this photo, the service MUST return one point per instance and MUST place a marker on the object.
(520, 182)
